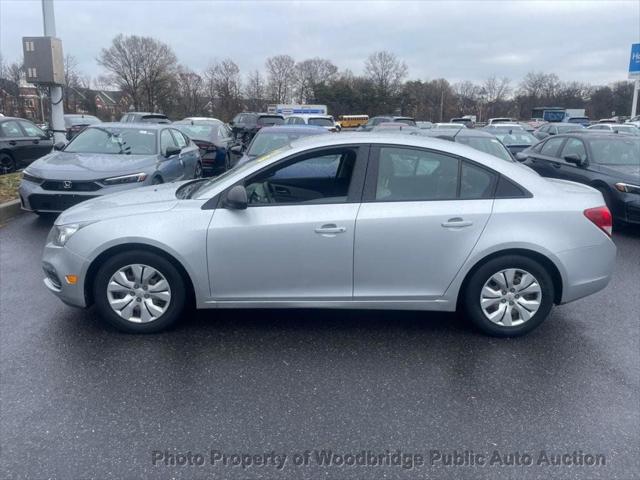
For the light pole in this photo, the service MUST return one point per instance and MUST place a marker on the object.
(55, 91)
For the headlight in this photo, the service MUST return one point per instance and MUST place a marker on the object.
(628, 188)
(31, 178)
(60, 234)
(133, 178)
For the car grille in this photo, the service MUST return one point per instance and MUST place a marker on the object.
(56, 203)
(71, 186)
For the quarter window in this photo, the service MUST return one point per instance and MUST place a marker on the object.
(476, 182)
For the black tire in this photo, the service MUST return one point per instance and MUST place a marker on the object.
(197, 173)
(156, 181)
(7, 163)
(176, 284)
(471, 295)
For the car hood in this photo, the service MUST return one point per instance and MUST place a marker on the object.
(151, 199)
(627, 172)
(88, 166)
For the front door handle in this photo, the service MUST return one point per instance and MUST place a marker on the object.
(457, 222)
(330, 229)
(555, 164)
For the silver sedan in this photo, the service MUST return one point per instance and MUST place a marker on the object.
(340, 221)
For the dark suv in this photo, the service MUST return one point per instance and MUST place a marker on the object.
(245, 125)
(144, 117)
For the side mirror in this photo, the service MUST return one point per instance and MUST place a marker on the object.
(236, 198)
(236, 149)
(521, 156)
(171, 151)
(59, 146)
(575, 159)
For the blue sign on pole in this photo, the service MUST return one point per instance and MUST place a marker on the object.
(634, 62)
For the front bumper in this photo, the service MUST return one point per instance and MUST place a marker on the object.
(57, 263)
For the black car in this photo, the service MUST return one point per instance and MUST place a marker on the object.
(375, 121)
(214, 138)
(144, 117)
(245, 125)
(605, 161)
(75, 123)
(556, 129)
(21, 142)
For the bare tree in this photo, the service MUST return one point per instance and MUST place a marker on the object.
(224, 88)
(312, 73)
(255, 91)
(386, 71)
(189, 93)
(281, 76)
(142, 67)
(71, 83)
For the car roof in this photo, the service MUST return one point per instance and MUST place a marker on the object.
(514, 170)
(310, 129)
(310, 115)
(144, 125)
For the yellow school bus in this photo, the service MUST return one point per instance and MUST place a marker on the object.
(352, 121)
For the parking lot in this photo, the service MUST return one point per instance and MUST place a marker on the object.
(80, 400)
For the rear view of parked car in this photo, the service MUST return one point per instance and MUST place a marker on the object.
(325, 121)
(21, 142)
(108, 158)
(375, 121)
(144, 117)
(245, 125)
(75, 123)
(556, 128)
(214, 139)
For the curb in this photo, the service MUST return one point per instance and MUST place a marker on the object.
(9, 210)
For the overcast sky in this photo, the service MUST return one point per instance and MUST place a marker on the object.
(578, 40)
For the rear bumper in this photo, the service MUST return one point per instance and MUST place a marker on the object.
(589, 269)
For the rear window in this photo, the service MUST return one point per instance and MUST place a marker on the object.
(492, 146)
(198, 132)
(406, 121)
(81, 120)
(270, 120)
(321, 122)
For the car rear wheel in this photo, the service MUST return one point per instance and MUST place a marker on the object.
(197, 173)
(7, 163)
(509, 296)
(139, 292)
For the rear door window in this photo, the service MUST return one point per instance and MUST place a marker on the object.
(575, 146)
(11, 129)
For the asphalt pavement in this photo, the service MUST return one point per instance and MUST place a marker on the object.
(268, 393)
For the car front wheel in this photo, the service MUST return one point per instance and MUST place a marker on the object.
(509, 296)
(139, 292)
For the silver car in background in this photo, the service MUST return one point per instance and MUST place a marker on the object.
(108, 158)
(340, 221)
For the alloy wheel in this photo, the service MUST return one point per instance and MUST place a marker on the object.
(198, 171)
(510, 297)
(139, 293)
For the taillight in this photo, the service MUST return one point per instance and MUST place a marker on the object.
(601, 217)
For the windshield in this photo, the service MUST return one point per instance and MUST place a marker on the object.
(198, 131)
(615, 151)
(80, 120)
(516, 137)
(275, 120)
(114, 141)
(321, 122)
(492, 146)
(627, 129)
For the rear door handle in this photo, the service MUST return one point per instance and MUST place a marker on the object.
(457, 222)
(330, 229)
